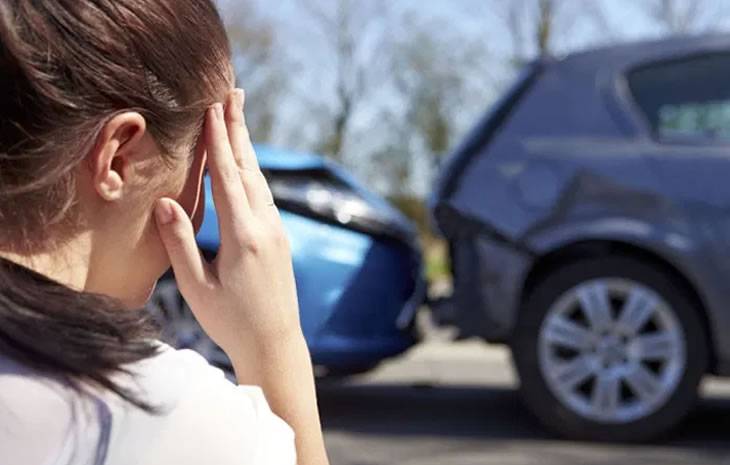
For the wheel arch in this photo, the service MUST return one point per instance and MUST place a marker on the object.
(597, 248)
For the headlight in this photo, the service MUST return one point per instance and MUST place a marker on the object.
(319, 194)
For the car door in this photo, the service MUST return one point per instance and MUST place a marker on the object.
(686, 105)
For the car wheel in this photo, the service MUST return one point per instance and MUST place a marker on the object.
(179, 327)
(610, 349)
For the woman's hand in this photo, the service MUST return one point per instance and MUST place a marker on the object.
(246, 299)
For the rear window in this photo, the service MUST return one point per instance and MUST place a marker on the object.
(688, 98)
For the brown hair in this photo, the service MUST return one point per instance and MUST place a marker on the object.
(67, 67)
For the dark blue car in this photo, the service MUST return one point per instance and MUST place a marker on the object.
(588, 220)
(357, 263)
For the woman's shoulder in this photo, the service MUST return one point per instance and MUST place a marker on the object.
(203, 417)
(174, 376)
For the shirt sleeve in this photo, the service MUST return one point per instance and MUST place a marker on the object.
(237, 420)
(276, 437)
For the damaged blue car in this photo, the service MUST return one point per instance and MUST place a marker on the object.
(357, 263)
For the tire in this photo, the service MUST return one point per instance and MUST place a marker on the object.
(632, 406)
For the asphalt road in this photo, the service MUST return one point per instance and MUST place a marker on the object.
(456, 404)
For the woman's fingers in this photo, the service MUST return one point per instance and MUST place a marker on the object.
(178, 237)
(229, 195)
(257, 189)
(243, 150)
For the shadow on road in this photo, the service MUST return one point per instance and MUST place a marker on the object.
(478, 412)
(405, 410)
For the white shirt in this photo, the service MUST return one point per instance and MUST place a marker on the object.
(204, 419)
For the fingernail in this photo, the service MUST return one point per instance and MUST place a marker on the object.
(240, 98)
(163, 212)
(212, 112)
(219, 110)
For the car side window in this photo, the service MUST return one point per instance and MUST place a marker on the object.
(687, 98)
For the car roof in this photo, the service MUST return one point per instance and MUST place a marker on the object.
(632, 54)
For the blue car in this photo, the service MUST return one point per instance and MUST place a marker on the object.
(357, 264)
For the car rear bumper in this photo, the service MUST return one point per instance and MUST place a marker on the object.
(488, 279)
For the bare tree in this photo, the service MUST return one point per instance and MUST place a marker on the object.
(545, 23)
(547, 27)
(530, 26)
(685, 16)
(443, 82)
(351, 31)
(257, 66)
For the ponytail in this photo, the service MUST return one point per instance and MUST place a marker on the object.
(79, 338)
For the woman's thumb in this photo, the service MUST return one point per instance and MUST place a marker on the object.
(176, 232)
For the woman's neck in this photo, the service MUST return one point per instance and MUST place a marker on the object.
(68, 264)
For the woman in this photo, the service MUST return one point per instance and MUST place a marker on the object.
(110, 111)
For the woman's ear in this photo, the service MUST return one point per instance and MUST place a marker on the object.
(117, 145)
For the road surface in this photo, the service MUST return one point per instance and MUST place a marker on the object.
(456, 404)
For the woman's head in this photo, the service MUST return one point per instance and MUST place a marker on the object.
(101, 104)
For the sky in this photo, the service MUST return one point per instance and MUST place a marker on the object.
(581, 24)
(624, 18)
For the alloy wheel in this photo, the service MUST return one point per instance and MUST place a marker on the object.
(612, 350)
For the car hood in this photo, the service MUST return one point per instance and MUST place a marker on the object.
(275, 159)
(271, 158)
